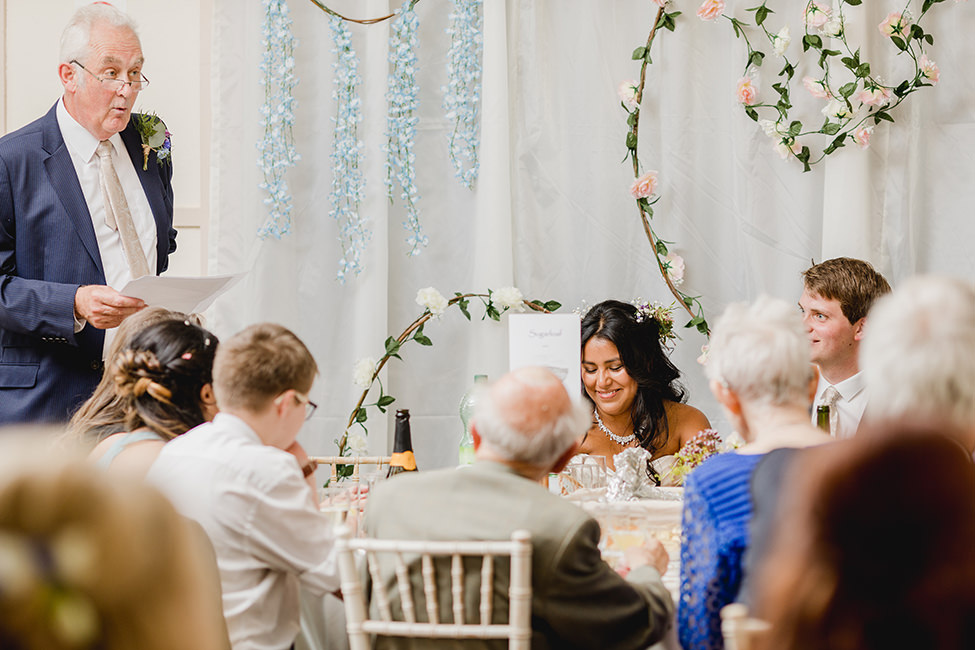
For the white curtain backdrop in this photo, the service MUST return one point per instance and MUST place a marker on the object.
(551, 213)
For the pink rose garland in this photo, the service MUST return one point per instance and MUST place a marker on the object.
(645, 186)
(929, 69)
(862, 136)
(710, 10)
(746, 91)
(816, 14)
(874, 95)
(895, 24)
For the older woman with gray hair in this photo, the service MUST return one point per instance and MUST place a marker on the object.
(918, 355)
(759, 370)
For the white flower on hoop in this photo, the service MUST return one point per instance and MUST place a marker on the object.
(363, 371)
(509, 298)
(432, 300)
(357, 444)
(674, 266)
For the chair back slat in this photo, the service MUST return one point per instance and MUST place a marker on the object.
(421, 559)
(520, 591)
(405, 589)
(457, 588)
(487, 589)
(430, 588)
(382, 600)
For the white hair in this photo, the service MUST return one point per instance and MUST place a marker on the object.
(76, 37)
(918, 352)
(541, 446)
(761, 352)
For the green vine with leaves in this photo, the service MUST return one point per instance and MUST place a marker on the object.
(848, 113)
(646, 199)
(495, 304)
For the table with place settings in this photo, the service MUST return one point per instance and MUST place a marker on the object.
(624, 524)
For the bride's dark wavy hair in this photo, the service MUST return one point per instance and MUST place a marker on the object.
(645, 361)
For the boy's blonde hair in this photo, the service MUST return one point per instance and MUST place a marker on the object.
(259, 363)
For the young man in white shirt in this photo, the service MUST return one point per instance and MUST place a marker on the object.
(836, 296)
(246, 480)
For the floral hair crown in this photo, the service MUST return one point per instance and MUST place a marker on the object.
(645, 310)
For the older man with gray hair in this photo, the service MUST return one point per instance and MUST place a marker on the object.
(86, 205)
(918, 356)
(525, 426)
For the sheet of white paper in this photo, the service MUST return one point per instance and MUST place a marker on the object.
(550, 341)
(189, 295)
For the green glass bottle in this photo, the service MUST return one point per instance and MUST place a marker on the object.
(822, 417)
(466, 449)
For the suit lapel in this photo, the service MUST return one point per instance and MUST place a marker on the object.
(64, 180)
(151, 185)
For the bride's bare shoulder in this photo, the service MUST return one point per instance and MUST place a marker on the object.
(685, 420)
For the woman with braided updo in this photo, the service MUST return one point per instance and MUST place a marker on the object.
(103, 413)
(163, 385)
(632, 385)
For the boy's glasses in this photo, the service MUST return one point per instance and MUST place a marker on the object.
(310, 406)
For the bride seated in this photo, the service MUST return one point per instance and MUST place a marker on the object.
(632, 385)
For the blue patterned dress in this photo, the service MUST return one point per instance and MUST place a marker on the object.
(717, 509)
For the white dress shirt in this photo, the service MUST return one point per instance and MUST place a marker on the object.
(82, 145)
(850, 405)
(262, 519)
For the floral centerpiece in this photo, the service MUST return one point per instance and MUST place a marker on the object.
(705, 444)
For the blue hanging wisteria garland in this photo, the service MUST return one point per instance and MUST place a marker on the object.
(277, 147)
(401, 121)
(348, 186)
(462, 94)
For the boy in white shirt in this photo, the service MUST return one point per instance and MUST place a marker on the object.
(246, 480)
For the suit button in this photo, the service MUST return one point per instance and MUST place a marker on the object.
(96, 366)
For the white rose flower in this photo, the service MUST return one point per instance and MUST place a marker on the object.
(356, 443)
(627, 94)
(782, 40)
(362, 372)
(432, 300)
(784, 150)
(768, 126)
(833, 28)
(836, 109)
(509, 297)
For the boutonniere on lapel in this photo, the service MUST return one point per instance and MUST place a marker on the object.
(154, 136)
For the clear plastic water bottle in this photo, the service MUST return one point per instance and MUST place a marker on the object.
(466, 448)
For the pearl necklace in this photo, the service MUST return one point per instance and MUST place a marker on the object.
(621, 440)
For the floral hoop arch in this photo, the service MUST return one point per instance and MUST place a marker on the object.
(858, 98)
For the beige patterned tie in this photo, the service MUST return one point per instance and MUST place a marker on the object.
(117, 215)
(830, 396)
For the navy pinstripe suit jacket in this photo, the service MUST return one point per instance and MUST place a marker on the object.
(47, 250)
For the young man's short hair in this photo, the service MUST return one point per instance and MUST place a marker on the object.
(259, 363)
(851, 282)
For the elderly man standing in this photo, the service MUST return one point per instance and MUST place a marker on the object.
(836, 296)
(919, 356)
(84, 208)
(526, 426)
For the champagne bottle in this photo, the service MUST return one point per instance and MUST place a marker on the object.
(466, 448)
(822, 417)
(402, 459)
